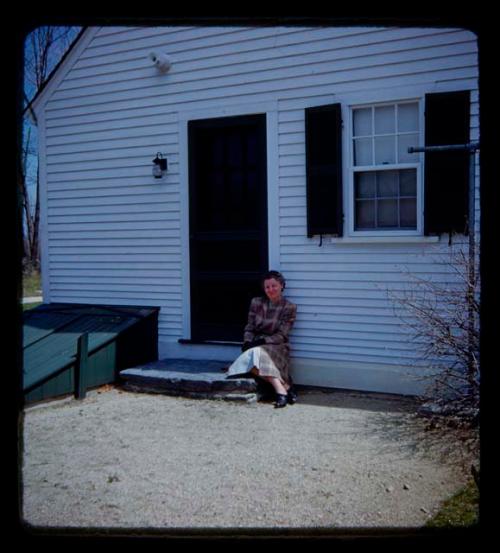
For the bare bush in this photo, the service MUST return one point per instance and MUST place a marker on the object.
(442, 317)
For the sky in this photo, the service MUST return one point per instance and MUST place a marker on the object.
(29, 128)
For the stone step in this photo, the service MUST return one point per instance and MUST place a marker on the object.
(203, 379)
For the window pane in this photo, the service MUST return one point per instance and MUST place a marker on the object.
(408, 213)
(252, 145)
(218, 151)
(363, 151)
(405, 140)
(384, 150)
(386, 199)
(387, 212)
(362, 122)
(387, 184)
(365, 185)
(235, 151)
(235, 194)
(365, 214)
(228, 255)
(408, 182)
(407, 117)
(384, 120)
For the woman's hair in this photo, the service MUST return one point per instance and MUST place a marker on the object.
(273, 274)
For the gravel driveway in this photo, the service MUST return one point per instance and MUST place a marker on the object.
(336, 459)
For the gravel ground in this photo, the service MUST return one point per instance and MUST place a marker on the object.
(334, 460)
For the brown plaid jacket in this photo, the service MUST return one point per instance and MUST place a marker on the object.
(272, 322)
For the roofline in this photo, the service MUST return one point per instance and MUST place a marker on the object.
(29, 106)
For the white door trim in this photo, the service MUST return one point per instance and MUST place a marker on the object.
(271, 111)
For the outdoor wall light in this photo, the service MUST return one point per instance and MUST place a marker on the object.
(161, 61)
(160, 166)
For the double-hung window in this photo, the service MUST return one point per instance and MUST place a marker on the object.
(385, 179)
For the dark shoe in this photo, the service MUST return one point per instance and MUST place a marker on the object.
(291, 395)
(265, 390)
(281, 401)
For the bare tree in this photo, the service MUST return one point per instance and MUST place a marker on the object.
(443, 321)
(44, 48)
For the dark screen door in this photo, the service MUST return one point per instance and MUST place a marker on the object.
(228, 222)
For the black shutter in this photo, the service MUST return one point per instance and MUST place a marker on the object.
(446, 172)
(324, 170)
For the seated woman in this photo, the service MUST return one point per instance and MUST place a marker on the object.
(266, 350)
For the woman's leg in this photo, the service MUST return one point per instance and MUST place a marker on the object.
(279, 385)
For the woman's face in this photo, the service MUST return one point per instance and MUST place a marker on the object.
(273, 289)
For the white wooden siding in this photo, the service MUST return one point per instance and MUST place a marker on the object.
(114, 233)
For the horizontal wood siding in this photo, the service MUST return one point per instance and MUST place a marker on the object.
(114, 232)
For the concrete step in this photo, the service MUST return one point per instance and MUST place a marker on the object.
(189, 378)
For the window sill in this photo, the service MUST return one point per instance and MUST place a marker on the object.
(386, 240)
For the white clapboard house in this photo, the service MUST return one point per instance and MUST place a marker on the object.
(177, 163)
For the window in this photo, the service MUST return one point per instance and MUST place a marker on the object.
(385, 177)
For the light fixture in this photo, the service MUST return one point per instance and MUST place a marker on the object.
(161, 61)
(160, 166)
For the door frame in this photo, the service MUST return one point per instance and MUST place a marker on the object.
(270, 109)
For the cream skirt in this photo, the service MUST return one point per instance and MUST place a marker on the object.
(256, 357)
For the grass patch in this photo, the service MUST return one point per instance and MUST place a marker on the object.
(27, 306)
(460, 510)
(32, 284)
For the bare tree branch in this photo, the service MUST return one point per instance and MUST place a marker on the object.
(44, 47)
(442, 320)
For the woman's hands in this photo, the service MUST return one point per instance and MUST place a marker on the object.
(253, 344)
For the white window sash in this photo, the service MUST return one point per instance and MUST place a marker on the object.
(418, 165)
